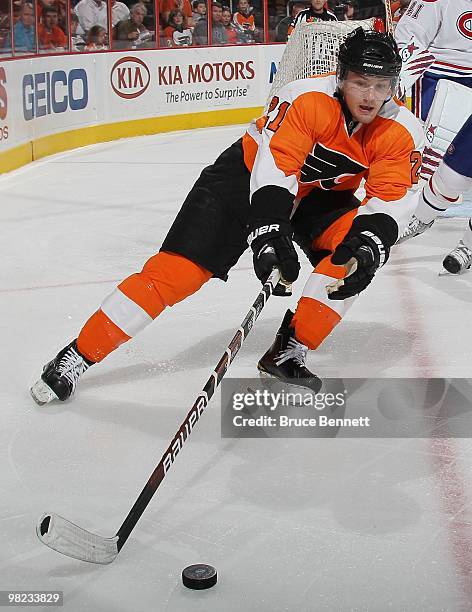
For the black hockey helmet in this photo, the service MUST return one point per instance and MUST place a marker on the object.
(369, 52)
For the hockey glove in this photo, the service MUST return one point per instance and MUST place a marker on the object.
(362, 253)
(272, 247)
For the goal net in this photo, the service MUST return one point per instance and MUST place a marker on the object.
(312, 49)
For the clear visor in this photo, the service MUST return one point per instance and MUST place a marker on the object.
(368, 86)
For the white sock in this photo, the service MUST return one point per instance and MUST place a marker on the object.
(467, 237)
(443, 190)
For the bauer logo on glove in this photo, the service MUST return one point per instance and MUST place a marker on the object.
(272, 247)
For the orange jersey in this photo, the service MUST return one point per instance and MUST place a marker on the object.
(303, 143)
(244, 22)
(53, 39)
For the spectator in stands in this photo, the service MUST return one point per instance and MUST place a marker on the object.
(24, 31)
(199, 10)
(177, 5)
(315, 12)
(231, 32)
(76, 40)
(281, 31)
(177, 34)
(349, 10)
(119, 12)
(4, 26)
(218, 31)
(96, 39)
(51, 36)
(90, 13)
(243, 20)
(132, 33)
(59, 5)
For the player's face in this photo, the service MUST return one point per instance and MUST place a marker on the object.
(365, 94)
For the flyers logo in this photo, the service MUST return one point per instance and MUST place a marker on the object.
(464, 24)
(328, 167)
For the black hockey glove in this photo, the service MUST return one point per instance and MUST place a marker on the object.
(272, 246)
(367, 253)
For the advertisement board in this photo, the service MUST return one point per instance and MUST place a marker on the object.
(47, 96)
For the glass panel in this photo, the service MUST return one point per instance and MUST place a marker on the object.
(52, 26)
(5, 22)
(281, 15)
(137, 31)
(89, 32)
(233, 22)
(178, 19)
(77, 36)
(24, 33)
(248, 18)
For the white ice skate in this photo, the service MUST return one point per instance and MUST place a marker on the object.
(459, 259)
(415, 228)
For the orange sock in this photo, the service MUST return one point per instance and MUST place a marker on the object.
(313, 322)
(165, 279)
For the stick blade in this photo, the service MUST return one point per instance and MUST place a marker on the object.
(71, 540)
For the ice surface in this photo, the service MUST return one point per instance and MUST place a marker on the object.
(297, 524)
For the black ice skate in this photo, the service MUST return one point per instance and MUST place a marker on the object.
(285, 360)
(60, 376)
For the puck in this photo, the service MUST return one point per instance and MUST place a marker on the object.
(199, 576)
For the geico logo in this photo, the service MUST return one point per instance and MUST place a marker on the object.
(3, 95)
(45, 93)
(129, 77)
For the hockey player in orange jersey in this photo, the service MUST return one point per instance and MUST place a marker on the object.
(292, 177)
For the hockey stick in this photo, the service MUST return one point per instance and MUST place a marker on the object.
(69, 539)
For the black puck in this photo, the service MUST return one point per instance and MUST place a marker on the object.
(199, 576)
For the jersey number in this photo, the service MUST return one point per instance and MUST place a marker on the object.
(415, 159)
(274, 125)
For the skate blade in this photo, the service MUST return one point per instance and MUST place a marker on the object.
(445, 272)
(276, 385)
(41, 393)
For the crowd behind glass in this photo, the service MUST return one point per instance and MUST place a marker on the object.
(29, 27)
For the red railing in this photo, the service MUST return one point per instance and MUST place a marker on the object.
(51, 27)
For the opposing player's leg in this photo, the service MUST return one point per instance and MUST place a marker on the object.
(316, 315)
(450, 109)
(459, 260)
(458, 162)
(438, 194)
(206, 239)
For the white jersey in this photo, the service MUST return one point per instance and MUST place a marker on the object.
(444, 29)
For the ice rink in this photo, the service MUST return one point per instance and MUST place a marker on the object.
(336, 525)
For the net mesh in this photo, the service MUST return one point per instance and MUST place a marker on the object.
(312, 49)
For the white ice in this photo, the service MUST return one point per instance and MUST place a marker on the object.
(290, 524)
